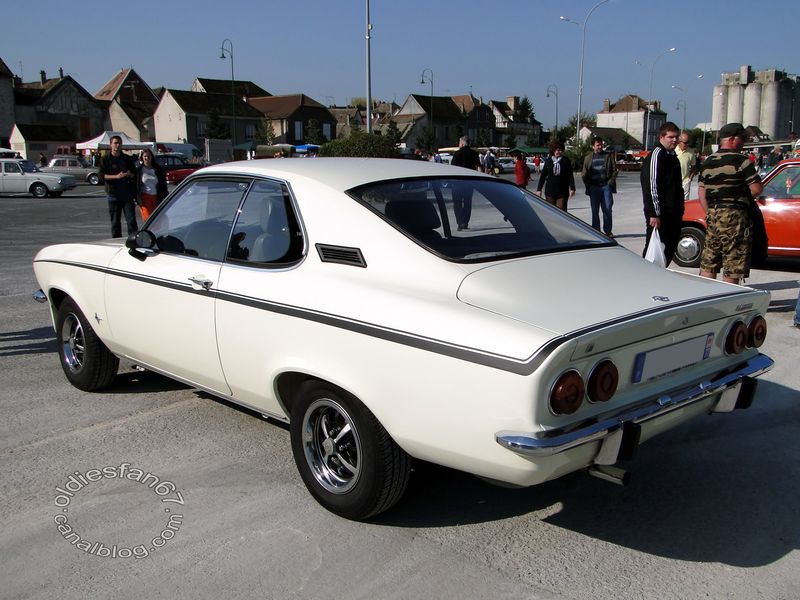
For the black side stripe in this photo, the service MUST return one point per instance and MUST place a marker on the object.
(465, 353)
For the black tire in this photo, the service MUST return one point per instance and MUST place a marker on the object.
(86, 361)
(39, 190)
(690, 247)
(346, 458)
(56, 194)
(93, 179)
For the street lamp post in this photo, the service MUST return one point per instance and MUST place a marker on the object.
(430, 80)
(229, 52)
(683, 91)
(682, 106)
(650, 98)
(580, 76)
(554, 89)
(369, 74)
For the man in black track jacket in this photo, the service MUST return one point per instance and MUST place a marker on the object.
(662, 191)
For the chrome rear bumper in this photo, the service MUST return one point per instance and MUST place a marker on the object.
(618, 430)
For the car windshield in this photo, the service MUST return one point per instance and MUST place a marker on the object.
(28, 167)
(501, 219)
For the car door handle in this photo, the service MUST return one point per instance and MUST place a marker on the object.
(201, 282)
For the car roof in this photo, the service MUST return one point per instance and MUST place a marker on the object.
(340, 173)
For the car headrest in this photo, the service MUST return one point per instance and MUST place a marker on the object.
(413, 215)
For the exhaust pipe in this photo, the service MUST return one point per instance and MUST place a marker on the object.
(609, 473)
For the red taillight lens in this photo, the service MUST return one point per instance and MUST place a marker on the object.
(736, 340)
(567, 394)
(757, 332)
(603, 381)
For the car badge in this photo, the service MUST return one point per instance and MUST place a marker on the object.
(660, 299)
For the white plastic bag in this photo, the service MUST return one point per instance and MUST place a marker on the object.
(655, 250)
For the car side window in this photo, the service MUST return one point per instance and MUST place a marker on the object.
(266, 230)
(785, 184)
(197, 221)
(11, 167)
(60, 163)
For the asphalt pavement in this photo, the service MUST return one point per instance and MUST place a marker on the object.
(711, 511)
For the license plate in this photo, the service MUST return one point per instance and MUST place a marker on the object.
(663, 361)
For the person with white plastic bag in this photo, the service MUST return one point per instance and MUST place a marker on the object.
(662, 193)
(655, 250)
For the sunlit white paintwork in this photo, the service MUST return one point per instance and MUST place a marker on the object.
(454, 352)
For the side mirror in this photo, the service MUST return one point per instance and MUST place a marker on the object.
(141, 244)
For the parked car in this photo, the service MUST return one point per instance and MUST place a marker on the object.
(505, 164)
(336, 295)
(780, 206)
(175, 176)
(171, 161)
(19, 176)
(176, 167)
(75, 166)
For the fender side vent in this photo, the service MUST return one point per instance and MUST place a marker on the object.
(341, 255)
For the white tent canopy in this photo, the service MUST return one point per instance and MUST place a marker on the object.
(103, 142)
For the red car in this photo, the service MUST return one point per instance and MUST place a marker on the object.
(177, 175)
(779, 203)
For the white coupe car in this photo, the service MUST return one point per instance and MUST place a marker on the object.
(337, 295)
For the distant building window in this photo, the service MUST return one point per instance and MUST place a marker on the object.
(298, 131)
(249, 131)
(201, 129)
(326, 130)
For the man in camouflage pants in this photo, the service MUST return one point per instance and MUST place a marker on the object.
(727, 185)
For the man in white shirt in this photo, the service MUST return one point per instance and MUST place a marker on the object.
(688, 160)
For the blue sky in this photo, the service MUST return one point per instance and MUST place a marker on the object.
(495, 49)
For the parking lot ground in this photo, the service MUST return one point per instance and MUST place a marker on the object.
(711, 511)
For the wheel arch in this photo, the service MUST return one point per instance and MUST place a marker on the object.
(289, 382)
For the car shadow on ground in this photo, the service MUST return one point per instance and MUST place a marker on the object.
(733, 502)
(781, 306)
(774, 286)
(783, 264)
(143, 382)
(40, 340)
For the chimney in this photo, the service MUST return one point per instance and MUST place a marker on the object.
(60, 72)
(606, 105)
(43, 76)
(512, 102)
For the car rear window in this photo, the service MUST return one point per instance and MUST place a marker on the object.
(501, 219)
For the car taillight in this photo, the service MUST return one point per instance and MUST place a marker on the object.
(603, 381)
(567, 393)
(736, 340)
(757, 332)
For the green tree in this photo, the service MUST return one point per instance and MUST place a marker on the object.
(511, 139)
(359, 101)
(426, 139)
(360, 144)
(393, 132)
(483, 140)
(576, 154)
(524, 110)
(215, 128)
(313, 133)
(568, 131)
(265, 132)
(532, 140)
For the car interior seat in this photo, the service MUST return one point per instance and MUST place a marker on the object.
(274, 242)
(417, 216)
